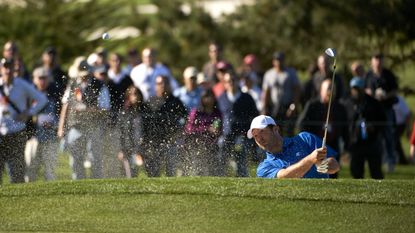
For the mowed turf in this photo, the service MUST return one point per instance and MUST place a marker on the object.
(209, 205)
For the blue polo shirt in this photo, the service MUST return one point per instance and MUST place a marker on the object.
(294, 149)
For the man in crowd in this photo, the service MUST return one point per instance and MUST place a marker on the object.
(382, 84)
(85, 102)
(190, 93)
(281, 93)
(313, 118)
(163, 123)
(15, 94)
(238, 110)
(366, 132)
(144, 75)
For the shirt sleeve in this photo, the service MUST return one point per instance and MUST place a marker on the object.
(269, 169)
(315, 142)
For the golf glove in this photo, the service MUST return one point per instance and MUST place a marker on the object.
(323, 167)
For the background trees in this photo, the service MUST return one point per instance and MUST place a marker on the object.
(181, 29)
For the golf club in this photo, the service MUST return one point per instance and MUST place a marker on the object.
(323, 166)
(331, 53)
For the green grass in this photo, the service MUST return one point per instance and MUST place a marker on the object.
(209, 205)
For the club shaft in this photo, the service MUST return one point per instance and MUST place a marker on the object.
(329, 107)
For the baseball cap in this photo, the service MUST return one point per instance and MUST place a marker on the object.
(201, 78)
(41, 72)
(357, 83)
(222, 65)
(84, 69)
(50, 50)
(190, 72)
(260, 122)
(278, 56)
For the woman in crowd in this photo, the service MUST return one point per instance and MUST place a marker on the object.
(203, 128)
(131, 120)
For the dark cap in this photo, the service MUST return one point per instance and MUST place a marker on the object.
(50, 50)
(278, 56)
(377, 55)
(84, 68)
(222, 65)
(7, 62)
(132, 52)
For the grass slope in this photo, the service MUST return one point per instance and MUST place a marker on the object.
(209, 205)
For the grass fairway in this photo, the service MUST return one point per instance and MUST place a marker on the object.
(209, 205)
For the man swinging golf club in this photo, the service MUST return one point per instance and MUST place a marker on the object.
(295, 157)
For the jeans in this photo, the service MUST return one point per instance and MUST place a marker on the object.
(12, 154)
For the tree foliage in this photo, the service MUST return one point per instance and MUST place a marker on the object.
(302, 29)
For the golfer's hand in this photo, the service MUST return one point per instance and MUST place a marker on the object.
(323, 166)
(318, 155)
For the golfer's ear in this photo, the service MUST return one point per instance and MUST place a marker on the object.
(276, 129)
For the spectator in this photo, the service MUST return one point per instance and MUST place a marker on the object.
(144, 75)
(203, 82)
(222, 68)
(210, 68)
(324, 71)
(132, 133)
(313, 119)
(133, 59)
(403, 118)
(366, 132)
(85, 102)
(295, 157)
(102, 58)
(203, 128)
(117, 83)
(163, 123)
(44, 139)
(251, 68)
(238, 110)
(382, 84)
(249, 85)
(412, 144)
(14, 113)
(190, 93)
(308, 90)
(281, 93)
(58, 79)
(11, 52)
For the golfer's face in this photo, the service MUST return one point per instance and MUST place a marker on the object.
(268, 138)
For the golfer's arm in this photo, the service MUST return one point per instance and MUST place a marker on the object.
(297, 170)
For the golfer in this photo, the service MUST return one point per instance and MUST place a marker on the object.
(295, 157)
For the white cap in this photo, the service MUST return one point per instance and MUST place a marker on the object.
(260, 122)
(190, 72)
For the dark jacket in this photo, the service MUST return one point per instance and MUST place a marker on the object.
(164, 119)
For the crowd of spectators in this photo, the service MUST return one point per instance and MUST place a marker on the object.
(115, 114)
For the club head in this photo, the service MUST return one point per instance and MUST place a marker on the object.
(331, 52)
